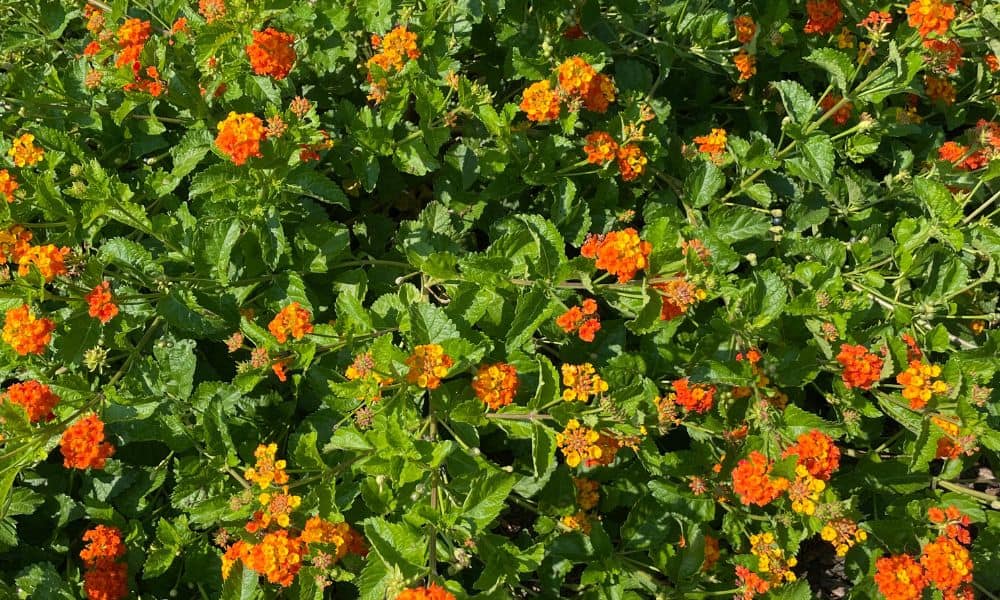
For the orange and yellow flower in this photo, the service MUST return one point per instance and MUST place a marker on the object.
(582, 382)
(631, 162)
(48, 260)
(745, 28)
(212, 10)
(24, 152)
(746, 64)
(271, 53)
(712, 144)
(14, 242)
(621, 253)
(267, 470)
(804, 491)
(900, 577)
(8, 185)
(100, 303)
(947, 564)
(575, 76)
(582, 319)
(240, 136)
(816, 452)
(428, 365)
(677, 295)
(843, 534)
(600, 147)
(771, 558)
(693, 397)
(83, 445)
(132, 37)
(293, 320)
(939, 89)
(578, 443)
(540, 103)
(920, 384)
(34, 397)
(430, 592)
(600, 94)
(104, 543)
(930, 16)
(278, 557)
(496, 384)
(25, 333)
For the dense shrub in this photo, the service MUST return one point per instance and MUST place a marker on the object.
(449, 299)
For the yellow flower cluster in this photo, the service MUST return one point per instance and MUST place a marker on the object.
(582, 382)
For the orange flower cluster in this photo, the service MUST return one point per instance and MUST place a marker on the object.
(753, 483)
(579, 443)
(712, 144)
(953, 445)
(578, 521)
(24, 151)
(694, 398)
(746, 64)
(816, 452)
(945, 563)
(266, 470)
(961, 156)
(583, 319)
(862, 369)
(582, 382)
(578, 79)
(876, 22)
(621, 253)
(843, 114)
(750, 583)
(540, 103)
(47, 259)
(939, 89)
(930, 16)
(824, 16)
(132, 37)
(34, 397)
(341, 535)
(899, 578)
(292, 320)
(430, 592)
(428, 364)
(600, 147)
(83, 445)
(105, 578)
(919, 383)
(212, 10)
(986, 146)
(14, 242)
(677, 295)
(101, 304)
(843, 534)
(145, 80)
(25, 333)
(496, 384)
(992, 62)
(712, 553)
(278, 557)
(271, 53)
(8, 185)
(396, 47)
(745, 28)
(240, 136)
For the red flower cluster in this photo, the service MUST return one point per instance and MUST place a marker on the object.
(816, 452)
(105, 578)
(101, 304)
(694, 397)
(430, 592)
(34, 397)
(621, 253)
(843, 114)
(582, 319)
(753, 483)
(293, 320)
(824, 16)
(271, 53)
(862, 369)
(132, 37)
(83, 445)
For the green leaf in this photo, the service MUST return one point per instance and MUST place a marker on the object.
(836, 63)
(818, 152)
(550, 244)
(307, 182)
(241, 585)
(430, 325)
(543, 448)
(768, 299)
(306, 455)
(704, 182)
(486, 498)
(799, 104)
(532, 310)
(938, 200)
